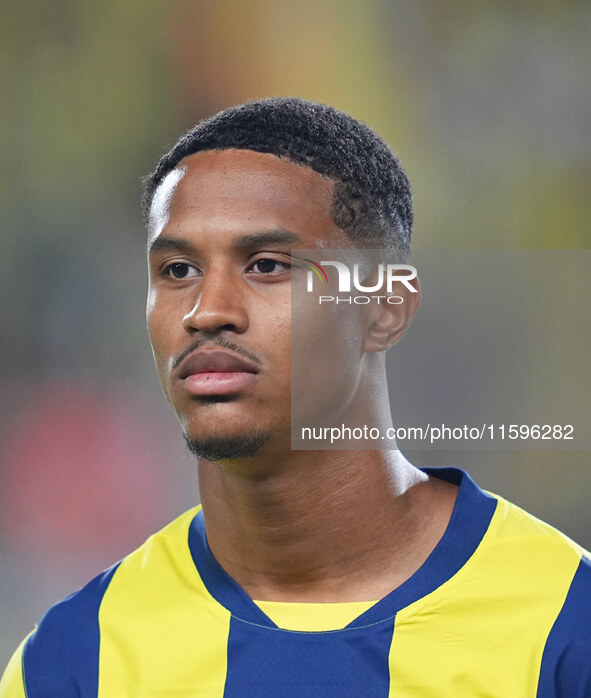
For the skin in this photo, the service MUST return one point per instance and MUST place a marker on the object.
(315, 526)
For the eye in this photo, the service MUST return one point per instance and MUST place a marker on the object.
(267, 265)
(179, 270)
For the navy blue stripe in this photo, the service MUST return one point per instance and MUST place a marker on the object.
(61, 659)
(219, 584)
(264, 663)
(469, 522)
(566, 662)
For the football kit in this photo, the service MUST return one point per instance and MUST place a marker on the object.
(501, 608)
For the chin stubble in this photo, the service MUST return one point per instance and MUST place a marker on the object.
(219, 448)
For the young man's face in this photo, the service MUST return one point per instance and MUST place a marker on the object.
(221, 228)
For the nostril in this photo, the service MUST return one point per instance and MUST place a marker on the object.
(208, 324)
(214, 311)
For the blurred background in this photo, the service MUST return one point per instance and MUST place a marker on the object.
(487, 104)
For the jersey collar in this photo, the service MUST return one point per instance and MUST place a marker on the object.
(469, 522)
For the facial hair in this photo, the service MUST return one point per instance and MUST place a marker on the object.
(223, 448)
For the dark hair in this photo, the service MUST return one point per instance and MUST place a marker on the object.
(372, 201)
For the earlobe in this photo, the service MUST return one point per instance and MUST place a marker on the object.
(389, 317)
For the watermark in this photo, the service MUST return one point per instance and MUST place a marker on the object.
(493, 358)
(355, 275)
(440, 432)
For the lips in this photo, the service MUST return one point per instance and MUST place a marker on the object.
(216, 372)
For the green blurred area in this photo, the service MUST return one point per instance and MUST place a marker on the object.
(487, 104)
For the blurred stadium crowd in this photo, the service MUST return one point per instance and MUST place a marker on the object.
(487, 104)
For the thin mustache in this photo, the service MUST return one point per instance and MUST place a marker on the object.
(220, 342)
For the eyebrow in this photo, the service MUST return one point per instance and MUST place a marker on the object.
(268, 237)
(167, 243)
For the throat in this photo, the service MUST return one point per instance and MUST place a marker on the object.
(347, 529)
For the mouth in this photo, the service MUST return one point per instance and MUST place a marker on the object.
(216, 372)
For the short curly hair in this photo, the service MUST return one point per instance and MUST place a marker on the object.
(372, 202)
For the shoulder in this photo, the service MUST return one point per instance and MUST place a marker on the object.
(62, 653)
(11, 683)
(516, 529)
(538, 558)
(509, 539)
(60, 658)
(560, 573)
(566, 662)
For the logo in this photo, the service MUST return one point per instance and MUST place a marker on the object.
(387, 275)
(318, 270)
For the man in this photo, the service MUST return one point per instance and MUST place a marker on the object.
(305, 573)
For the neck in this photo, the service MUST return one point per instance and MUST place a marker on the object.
(322, 525)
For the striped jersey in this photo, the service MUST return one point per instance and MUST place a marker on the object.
(501, 608)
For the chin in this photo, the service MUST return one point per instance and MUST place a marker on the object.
(224, 447)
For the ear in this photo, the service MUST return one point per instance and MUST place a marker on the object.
(389, 315)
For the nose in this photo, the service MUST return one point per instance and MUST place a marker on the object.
(219, 305)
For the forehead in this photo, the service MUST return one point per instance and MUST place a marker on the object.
(223, 190)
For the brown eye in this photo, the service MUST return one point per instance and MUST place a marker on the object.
(269, 266)
(180, 270)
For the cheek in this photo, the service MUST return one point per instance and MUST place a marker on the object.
(280, 342)
(270, 328)
(161, 330)
(152, 314)
(153, 322)
(325, 363)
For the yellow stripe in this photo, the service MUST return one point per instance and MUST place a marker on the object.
(162, 634)
(11, 685)
(483, 632)
(313, 617)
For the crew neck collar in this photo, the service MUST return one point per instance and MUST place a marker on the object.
(471, 516)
